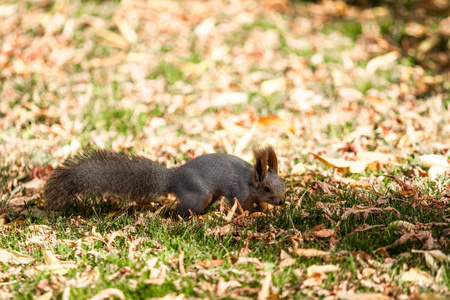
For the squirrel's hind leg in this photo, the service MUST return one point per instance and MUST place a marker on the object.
(192, 202)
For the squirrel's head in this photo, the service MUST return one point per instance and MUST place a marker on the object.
(270, 188)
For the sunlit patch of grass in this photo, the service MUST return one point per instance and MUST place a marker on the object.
(170, 73)
(348, 28)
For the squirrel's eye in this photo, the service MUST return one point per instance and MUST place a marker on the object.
(267, 189)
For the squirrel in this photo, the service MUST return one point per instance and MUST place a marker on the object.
(197, 184)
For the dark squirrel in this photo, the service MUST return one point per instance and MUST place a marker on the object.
(196, 184)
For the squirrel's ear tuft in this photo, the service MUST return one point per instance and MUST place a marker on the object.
(272, 160)
(260, 167)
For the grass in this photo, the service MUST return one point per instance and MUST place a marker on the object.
(165, 238)
(30, 140)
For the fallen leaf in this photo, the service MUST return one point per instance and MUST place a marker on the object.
(14, 257)
(271, 86)
(362, 228)
(310, 252)
(382, 61)
(132, 255)
(401, 225)
(46, 296)
(230, 214)
(275, 121)
(222, 286)
(265, 287)
(108, 293)
(363, 296)
(211, 263)
(437, 171)
(320, 269)
(112, 38)
(253, 260)
(416, 276)
(181, 262)
(342, 165)
(229, 98)
(219, 231)
(157, 275)
(434, 160)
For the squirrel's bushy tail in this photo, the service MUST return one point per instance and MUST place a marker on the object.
(97, 172)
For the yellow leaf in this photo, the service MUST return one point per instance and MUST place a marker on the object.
(343, 166)
(276, 121)
(320, 269)
(49, 258)
(381, 62)
(298, 169)
(14, 257)
(231, 212)
(310, 252)
(416, 276)
(432, 160)
(271, 86)
(437, 171)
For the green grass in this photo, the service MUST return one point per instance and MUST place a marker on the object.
(167, 237)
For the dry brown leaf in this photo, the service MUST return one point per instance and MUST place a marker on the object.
(382, 61)
(112, 38)
(416, 276)
(132, 255)
(323, 233)
(444, 26)
(222, 286)
(277, 85)
(108, 293)
(366, 210)
(49, 258)
(314, 280)
(88, 277)
(275, 121)
(342, 165)
(34, 184)
(13, 257)
(110, 238)
(229, 98)
(434, 160)
(286, 260)
(424, 237)
(220, 231)
(326, 188)
(314, 270)
(362, 228)
(157, 276)
(265, 287)
(244, 251)
(298, 169)
(257, 214)
(211, 263)
(45, 296)
(126, 30)
(356, 183)
(430, 257)
(363, 296)
(253, 260)
(310, 252)
(436, 171)
(230, 214)
(399, 225)
(181, 262)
